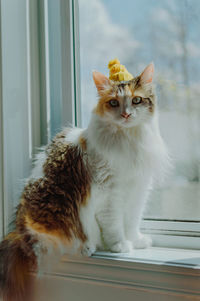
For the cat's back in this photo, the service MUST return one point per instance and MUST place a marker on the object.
(69, 139)
(61, 176)
(53, 196)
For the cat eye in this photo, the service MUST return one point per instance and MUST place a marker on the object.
(136, 100)
(114, 103)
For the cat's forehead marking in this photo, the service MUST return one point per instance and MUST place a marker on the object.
(112, 94)
(124, 90)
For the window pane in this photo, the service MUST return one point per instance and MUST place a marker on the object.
(166, 32)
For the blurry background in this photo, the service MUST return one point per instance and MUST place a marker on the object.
(166, 32)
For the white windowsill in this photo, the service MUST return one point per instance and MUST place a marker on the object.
(160, 256)
(158, 272)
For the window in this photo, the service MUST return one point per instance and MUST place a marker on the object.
(42, 90)
(166, 32)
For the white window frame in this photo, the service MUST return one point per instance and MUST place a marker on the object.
(1, 152)
(15, 80)
(32, 65)
(62, 66)
(173, 234)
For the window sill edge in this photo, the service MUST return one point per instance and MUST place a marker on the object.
(172, 277)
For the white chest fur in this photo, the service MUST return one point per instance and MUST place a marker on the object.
(128, 154)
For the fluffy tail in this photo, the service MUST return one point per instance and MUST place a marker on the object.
(17, 258)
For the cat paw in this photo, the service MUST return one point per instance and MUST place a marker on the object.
(124, 246)
(88, 250)
(142, 241)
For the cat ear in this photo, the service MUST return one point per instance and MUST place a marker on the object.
(100, 80)
(147, 75)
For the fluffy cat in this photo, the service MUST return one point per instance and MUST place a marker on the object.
(89, 186)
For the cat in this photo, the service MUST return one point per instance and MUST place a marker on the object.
(89, 187)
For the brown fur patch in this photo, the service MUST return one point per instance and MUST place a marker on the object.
(149, 103)
(53, 202)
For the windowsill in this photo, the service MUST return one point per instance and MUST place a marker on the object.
(159, 256)
(158, 271)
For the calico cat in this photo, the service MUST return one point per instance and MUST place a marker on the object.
(89, 186)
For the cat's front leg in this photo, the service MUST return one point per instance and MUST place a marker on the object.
(133, 212)
(111, 223)
(122, 246)
(91, 229)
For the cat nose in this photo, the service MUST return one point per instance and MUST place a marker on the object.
(125, 115)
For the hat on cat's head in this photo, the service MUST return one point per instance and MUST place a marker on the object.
(118, 72)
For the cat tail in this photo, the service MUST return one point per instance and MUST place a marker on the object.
(17, 259)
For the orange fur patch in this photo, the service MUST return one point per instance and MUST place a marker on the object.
(83, 143)
(103, 106)
(39, 228)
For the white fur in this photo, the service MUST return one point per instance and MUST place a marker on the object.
(125, 165)
(73, 135)
(37, 171)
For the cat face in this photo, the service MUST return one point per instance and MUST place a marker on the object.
(128, 103)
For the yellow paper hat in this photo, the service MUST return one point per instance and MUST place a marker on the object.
(118, 72)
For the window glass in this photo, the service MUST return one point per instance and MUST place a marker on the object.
(166, 32)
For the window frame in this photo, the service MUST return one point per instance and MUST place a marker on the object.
(37, 88)
(63, 83)
(1, 149)
(173, 234)
(15, 85)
